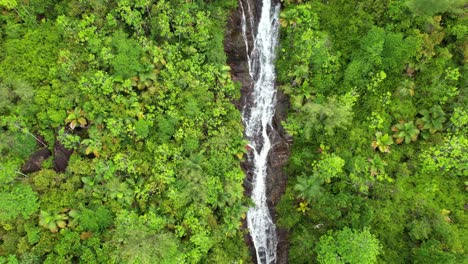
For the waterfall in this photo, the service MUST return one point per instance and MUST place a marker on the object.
(257, 118)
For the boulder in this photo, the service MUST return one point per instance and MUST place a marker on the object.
(61, 156)
(34, 162)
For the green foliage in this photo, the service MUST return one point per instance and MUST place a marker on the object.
(431, 7)
(383, 50)
(41, 43)
(70, 141)
(389, 61)
(9, 3)
(316, 118)
(52, 221)
(94, 219)
(142, 128)
(16, 200)
(448, 156)
(406, 88)
(308, 188)
(141, 92)
(348, 246)
(17, 138)
(14, 92)
(433, 251)
(71, 247)
(140, 239)
(303, 207)
(11, 259)
(33, 233)
(330, 166)
(126, 62)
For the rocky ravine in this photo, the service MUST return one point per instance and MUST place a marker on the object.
(234, 46)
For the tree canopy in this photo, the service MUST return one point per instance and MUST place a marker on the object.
(120, 140)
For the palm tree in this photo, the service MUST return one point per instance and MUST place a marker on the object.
(308, 187)
(193, 176)
(432, 120)
(406, 88)
(145, 80)
(382, 142)
(405, 132)
(53, 221)
(303, 207)
(92, 146)
(76, 117)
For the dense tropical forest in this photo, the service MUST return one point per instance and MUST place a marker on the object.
(141, 94)
(378, 113)
(120, 141)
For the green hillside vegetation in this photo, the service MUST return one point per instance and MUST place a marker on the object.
(141, 92)
(378, 114)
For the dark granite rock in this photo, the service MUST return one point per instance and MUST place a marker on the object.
(61, 156)
(236, 51)
(35, 161)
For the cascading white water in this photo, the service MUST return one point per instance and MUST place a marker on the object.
(258, 118)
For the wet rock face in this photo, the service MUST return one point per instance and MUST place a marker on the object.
(277, 180)
(280, 152)
(234, 46)
(61, 156)
(35, 161)
(276, 183)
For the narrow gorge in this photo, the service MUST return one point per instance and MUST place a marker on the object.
(250, 44)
